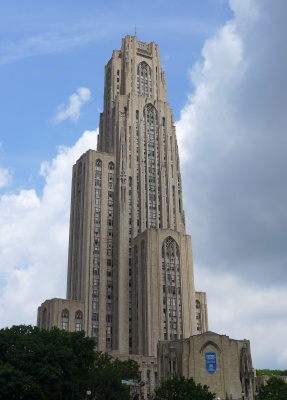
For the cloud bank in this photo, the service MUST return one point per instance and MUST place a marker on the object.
(34, 239)
(232, 135)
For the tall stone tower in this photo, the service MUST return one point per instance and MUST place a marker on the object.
(130, 269)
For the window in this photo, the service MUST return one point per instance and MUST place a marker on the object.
(78, 321)
(109, 277)
(171, 288)
(65, 320)
(144, 80)
(150, 128)
(97, 248)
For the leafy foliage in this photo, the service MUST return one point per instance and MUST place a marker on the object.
(57, 365)
(105, 379)
(181, 388)
(269, 372)
(275, 389)
(129, 369)
(43, 364)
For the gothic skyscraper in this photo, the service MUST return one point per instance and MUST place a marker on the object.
(130, 270)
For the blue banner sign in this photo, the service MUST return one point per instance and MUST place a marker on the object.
(210, 362)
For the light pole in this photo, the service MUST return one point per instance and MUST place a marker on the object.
(88, 393)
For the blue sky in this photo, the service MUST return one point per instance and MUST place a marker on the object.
(49, 49)
(225, 64)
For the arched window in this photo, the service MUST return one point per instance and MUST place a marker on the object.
(98, 173)
(65, 320)
(78, 321)
(171, 289)
(144, 80)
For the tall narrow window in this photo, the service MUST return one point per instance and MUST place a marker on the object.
(198, 316)
(78, 321)
(144, 79)
(171, 288)
(110, 251)
(65, 320)
(76, 280)
(107, 106)
(136, 267)
(173, 207)
(164, 167)
(143, 280)
(137, 172)
(130, 262)
(148, 381)
(150, 153)
(96, 250)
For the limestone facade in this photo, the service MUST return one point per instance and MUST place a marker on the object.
(65, 314)
(228, 374)
(201, 312)
(130, 262)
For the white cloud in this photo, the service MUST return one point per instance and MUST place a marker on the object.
(5, 177)
(34, 239)
(242, 309)
(232, 135)
(73, 109)
(47, 43)
(214, 78)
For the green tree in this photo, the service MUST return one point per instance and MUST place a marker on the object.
(275, 389)
(58, 365)
(105, 384)
(279, 372)
(40, 364)
(128, 369)
(105, 378)
(15, 384)
(181, 388)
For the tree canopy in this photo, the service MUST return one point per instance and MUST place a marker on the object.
(40, 364)
(105, 379)
(57, 365)
(181, 388)
(275, 389)
(279, 372)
